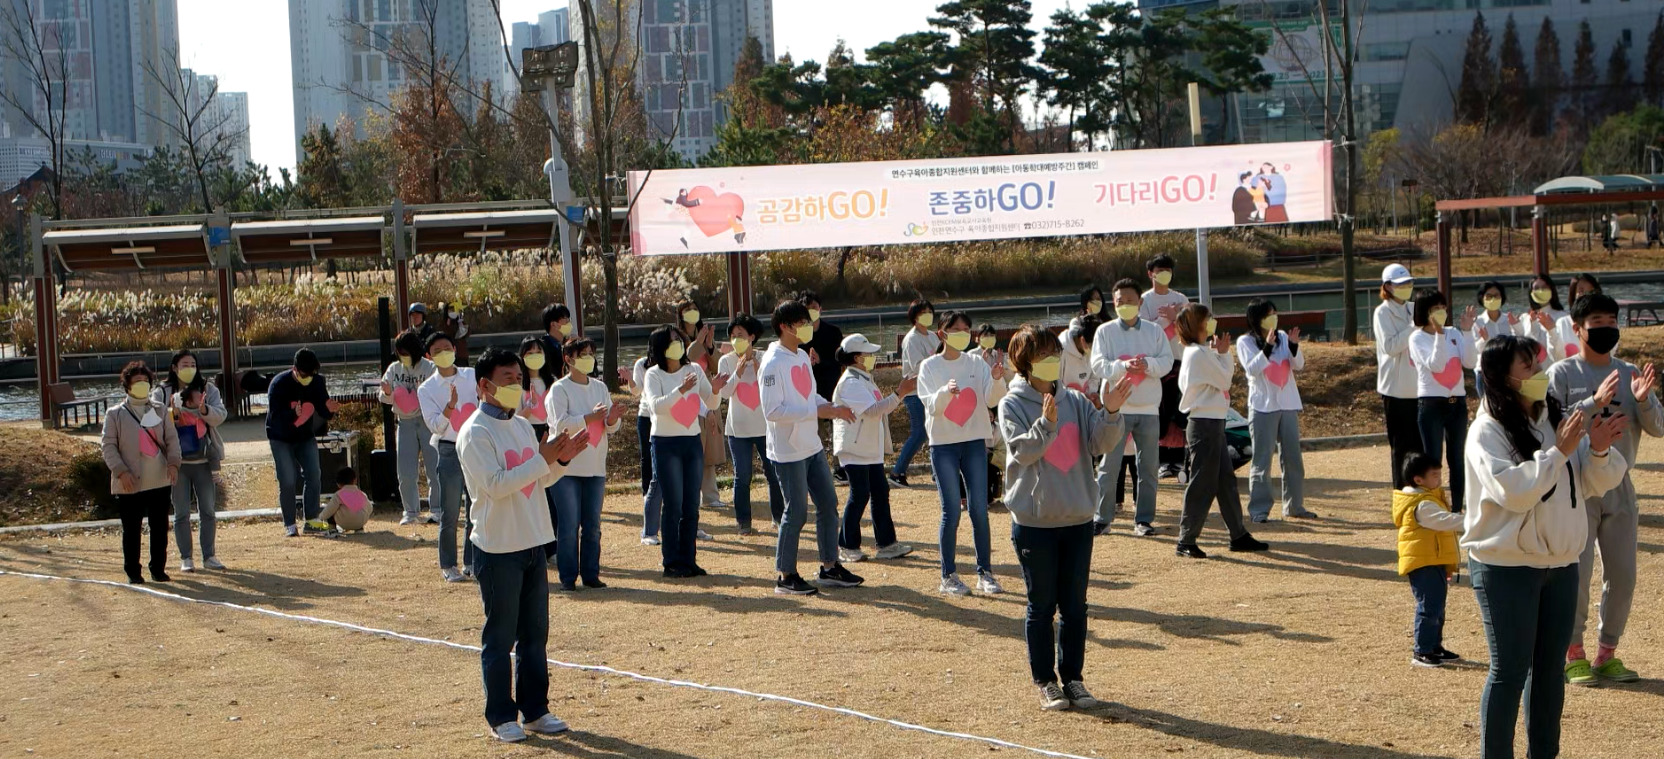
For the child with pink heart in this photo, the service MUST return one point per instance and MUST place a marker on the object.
(579, 404)
(350, 508)
(399, 386)
(677, 393)
(1269, 358)
(1205, 385)
(1441, 352)
(860, 445)
(745, 429)
(1051, 433)
(449, 399)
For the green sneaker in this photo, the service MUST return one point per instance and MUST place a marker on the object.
(1578, 672)
(1615, 671)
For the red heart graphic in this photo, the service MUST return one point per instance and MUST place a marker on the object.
(1277, 373)
(1542, 353)
(802, 380)
(1572, 349)
(534, 406)
(962, 407)
(597, 429)
(303, 412)
(515, 459)
(353, 500)
(147, 444)
(746, 392)
(686, 410)
(1137, 379)
(405, 400)
(1450, 375)
(1065, 448)
(459, 416)
(714, 213)
(188, 419)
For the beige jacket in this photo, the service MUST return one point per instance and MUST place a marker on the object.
(125, 451)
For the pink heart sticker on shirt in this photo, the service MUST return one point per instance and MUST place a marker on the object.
(1277, 373)
(188, 419)
(515, 459)
(353, 500)
(962, 407)
(405, 400)
(802, 380)
(534, 407)
(1064, 451)
(597, 429)
(303, 412)
(877, 396)
(1450, 375)
(1137, 379)
(1079, 387)
(459, 416)
(147, 444)
(1170, 329)
(1542, 353)
(746, 393)
(686, 410)
(1573, 349)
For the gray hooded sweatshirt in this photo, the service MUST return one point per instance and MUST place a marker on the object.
(1049, 477)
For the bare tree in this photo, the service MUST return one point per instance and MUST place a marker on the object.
(196, 122)
(36, 45)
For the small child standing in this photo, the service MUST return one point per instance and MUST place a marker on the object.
(350, 509)
(1427, 552)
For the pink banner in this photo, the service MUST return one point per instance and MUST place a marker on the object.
(763, 208)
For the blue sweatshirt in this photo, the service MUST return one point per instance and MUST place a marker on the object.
(286, 399)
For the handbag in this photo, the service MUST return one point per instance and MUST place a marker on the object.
(712, 439)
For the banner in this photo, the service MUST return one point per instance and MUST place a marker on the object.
(763, 208)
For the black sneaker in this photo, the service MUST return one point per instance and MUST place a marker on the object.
(840, 475)
(159, 575)
(568, 587)
(1190, 551)
(838, 577)
(135, 579)
(1446, 654)
(678, 573)
(697, 571)
(1426, 660)
(793, 585)
(1247, 543)
(594, 584)
(897, 480)
(1100, 528)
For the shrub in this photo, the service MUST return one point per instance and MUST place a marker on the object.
(89, 473)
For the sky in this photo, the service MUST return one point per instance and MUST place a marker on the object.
(246, 44)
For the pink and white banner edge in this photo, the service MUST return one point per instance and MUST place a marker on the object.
(763, 208)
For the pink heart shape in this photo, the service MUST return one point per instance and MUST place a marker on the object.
(1277, 373)
(802, 380)
(459, 416)
(597, 429)
(1573, 349)
(405, 400)
(877, 396)
(353, 500)
(1064, 451)
(962, 407)
(1542, 353)
(515, 459)
(147, 444)
(1170, 330)
(1450, 375)
(303, 412)
(746, 392)
(686, 410)
(1079, 387)
(1137, 379)
(714, 214)
(188, 419)
(534, 407)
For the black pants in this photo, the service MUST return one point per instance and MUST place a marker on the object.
(1443, 423)
(155, 505)
(1056, 562)
(867, 483)
(996, 480)
(1128, 471)
(1403, 433)
(1212, 478)
(1171, 418)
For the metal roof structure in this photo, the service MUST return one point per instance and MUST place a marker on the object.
(131, 248)
(297, 241)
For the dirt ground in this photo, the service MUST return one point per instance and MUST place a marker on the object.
(1300, 652)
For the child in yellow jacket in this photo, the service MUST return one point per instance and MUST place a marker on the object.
(1427, 552)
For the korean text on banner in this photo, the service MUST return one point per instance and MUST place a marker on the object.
(762, 208)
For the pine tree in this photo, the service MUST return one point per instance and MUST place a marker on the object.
(1620, 86)
(1652, 69)
(1473, 97)
(1512, 80)
(1547, 78)
(1584, 102)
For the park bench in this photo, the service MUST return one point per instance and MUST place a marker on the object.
(86, 411)
(1639, 313)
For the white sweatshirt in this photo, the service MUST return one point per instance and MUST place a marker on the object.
(1271, 385)
(638, 378)
(1205, 382)
(957, 418)
(1522, 514)
(1546, 355)
(1440, 360)
(1394, 376)
(566, 406)
(405, 381)
(790, 405)
(675, 413)
(866, 440)
(1116, 343)
(1075, 368)
(1434, 517)
(1562, 341)
(917, 346)
(1485, 328)
(505, 477)
(1150, 310)
(436, 392)
(744, 396)
(1000, 390)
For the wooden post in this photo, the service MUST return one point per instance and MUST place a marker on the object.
(46, 322)
(739, 284)
(228, 333)
(1539, 238)
(401, 266)
(1443, 227)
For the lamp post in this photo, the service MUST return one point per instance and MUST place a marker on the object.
(548, 70)
(19, 204)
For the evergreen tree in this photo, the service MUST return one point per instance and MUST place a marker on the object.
(1620, 86)
(1473, 97)
(1584, 103)
(1652, 69)
(995, 48)
(1074, 68)
(907, 67)
(1547, 79)
(322, 183)
(1513, 85)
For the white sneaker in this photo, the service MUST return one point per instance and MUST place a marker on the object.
(407, 519)
(509, 732)
(433, 518)
(953, 587)
(714, 505)
(850, 555)
(985, 583)
(548, 724)
(452, 575)
(893, 551)
(291, 530)
(212, 563)
(702, 535)
(186, 565)
(1052, 698)
(650, 540)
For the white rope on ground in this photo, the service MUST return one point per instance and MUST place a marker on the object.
(567, 665)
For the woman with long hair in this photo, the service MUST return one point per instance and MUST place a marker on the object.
(1563, 342)
(536, 355)
(678, 394)
(745, 429)
(399, 387)
(197, 412)
(142, 451)
(1270, 358)
(1491, 322)
(701, 352)
(956, 389)
(1205, 384)
(1545, 311)
(1441, 353)
(1527, 479)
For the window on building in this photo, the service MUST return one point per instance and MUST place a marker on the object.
(1626, 39)
(1387, 51)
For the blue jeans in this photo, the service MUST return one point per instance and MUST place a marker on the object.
(866, 482)
(915, 434)
(739, 449)
(414, 441)
(297, 465)
(1145, 430)
(967, 460)
(194, 479)
(652, 499)
(678, 471)
(1056, 562)
(1443, 423)
(1429, 586)
(515, 590)
(578, 527)
(800, 482)
(1527, 613)
(452, 499)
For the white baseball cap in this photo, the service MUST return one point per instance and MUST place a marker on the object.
(858, 343)
(1397, 274)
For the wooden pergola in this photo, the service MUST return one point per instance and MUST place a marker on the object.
(1565, 191)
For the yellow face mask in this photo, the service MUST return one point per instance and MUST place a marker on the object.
(534, 361)
(407, 361)
(805, 333)
(1094, 307)
(509, 397)
(1127, 313)
(444, 359)
(741, 345)
(1493, 303)
(958, 340)
(814, 314)
(1437, 316)
(1402, 292)
(869, 361)
(584, 364)
(1211, 327)
(675, 351)
(185, 374)
(1163, 278)
(139, 390)
(926, 319)
(1542, 297)
(1536, 388)
(566, 329)
(691, 317)
(987, 342)
(304, 381)
(1046, 369)
(1269, 324)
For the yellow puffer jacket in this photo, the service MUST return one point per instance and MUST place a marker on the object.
(1418, 546)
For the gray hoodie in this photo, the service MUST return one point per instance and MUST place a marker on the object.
(1049, 477)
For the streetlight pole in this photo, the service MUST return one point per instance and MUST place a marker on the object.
(550, 69)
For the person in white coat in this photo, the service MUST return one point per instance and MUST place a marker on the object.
(1544, 312)
(1563, 342)
(1441, 353)
(1395, 375)
(1527, 481)
(1205, 386)
(918, 344)
(1492, 322)
(1131, 345)
(448, 398)
(957, 390)
(860, 445)
(1270, 358)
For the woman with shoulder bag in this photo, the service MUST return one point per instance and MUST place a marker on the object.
(142, 451)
